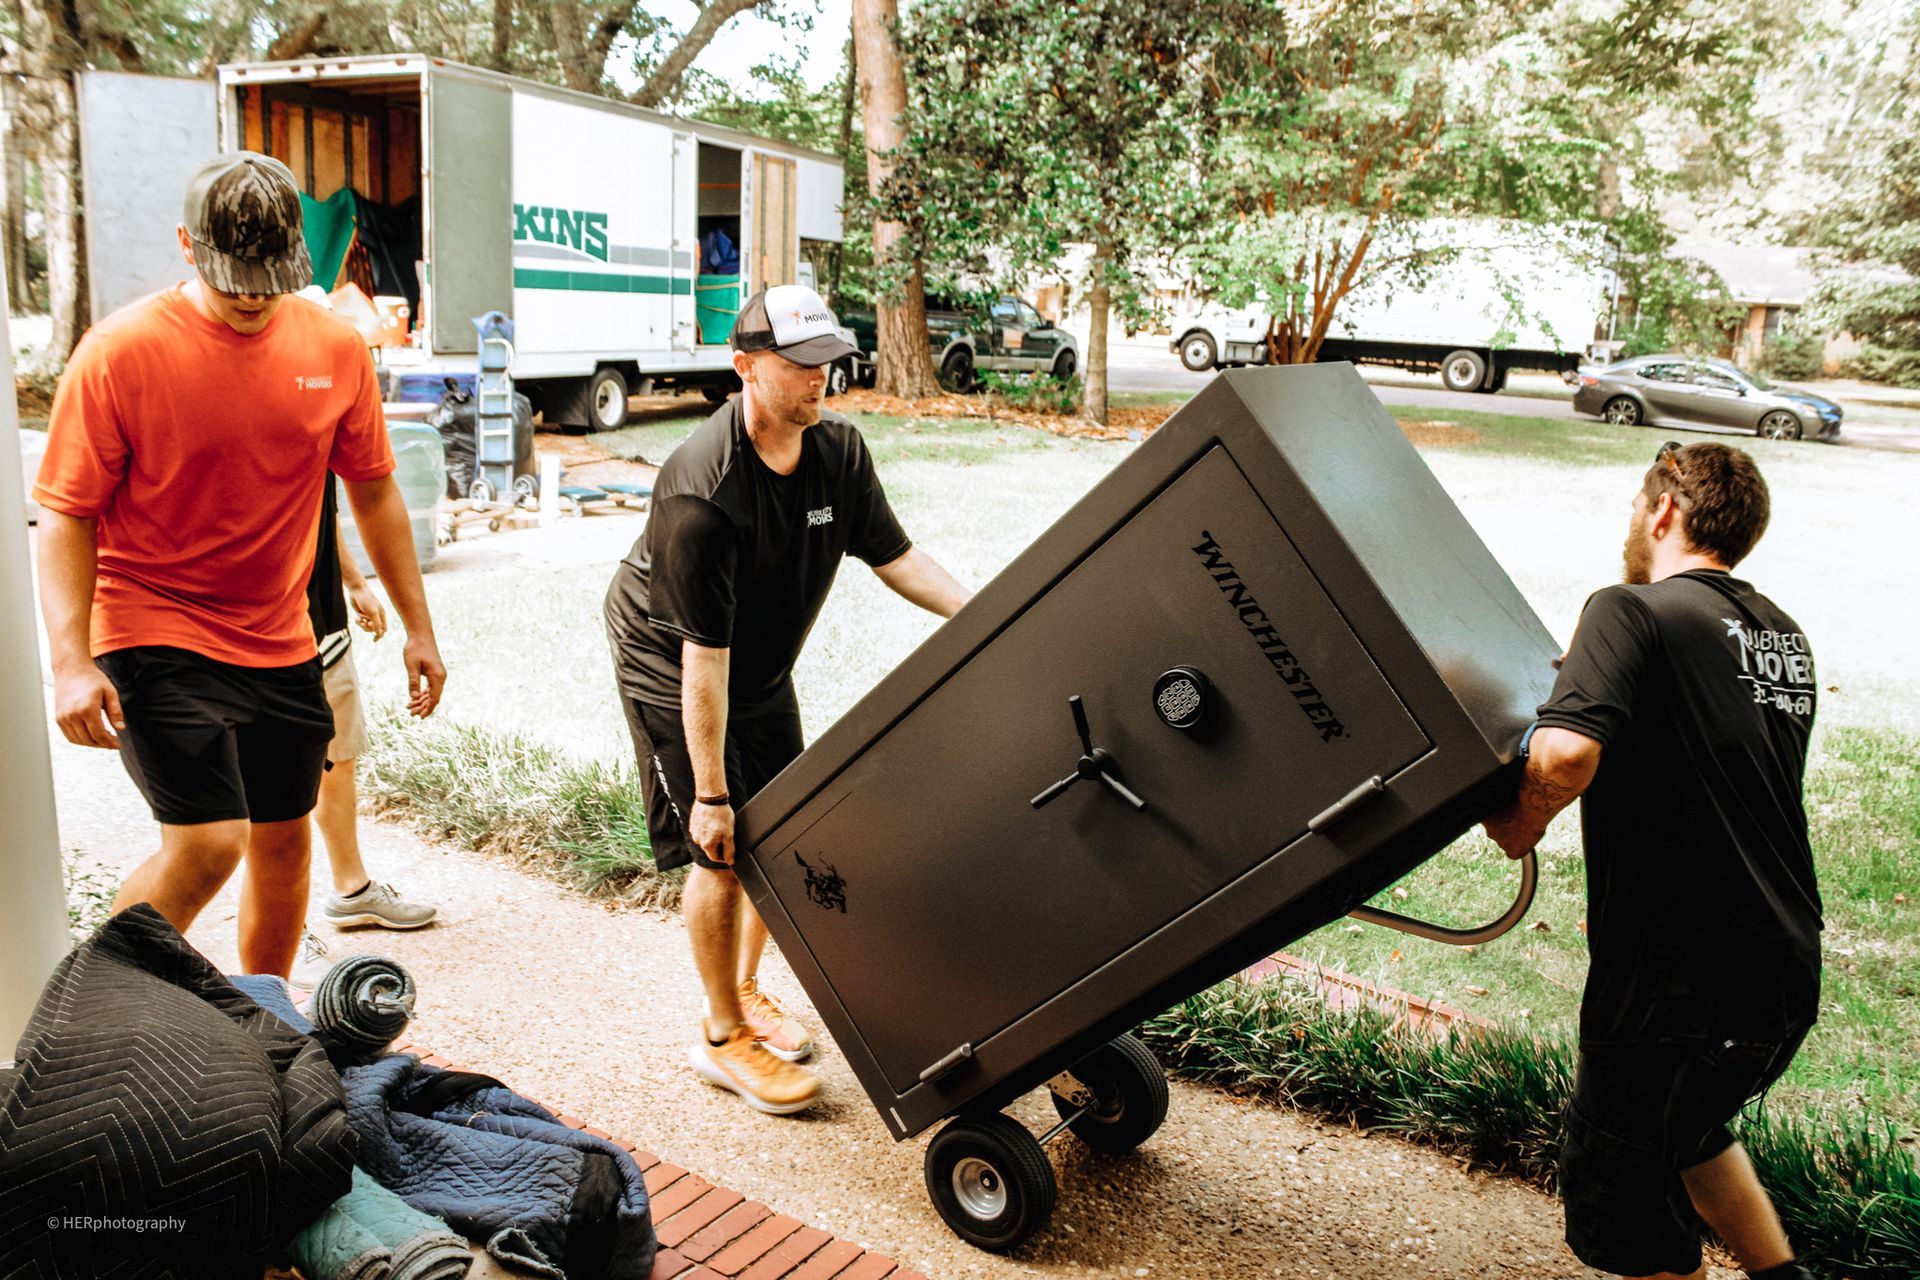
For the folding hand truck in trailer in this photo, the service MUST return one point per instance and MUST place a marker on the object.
(1259, 673)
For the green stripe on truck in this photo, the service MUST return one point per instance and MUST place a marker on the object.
(598, 282)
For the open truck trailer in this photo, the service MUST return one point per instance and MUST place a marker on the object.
(457, 192)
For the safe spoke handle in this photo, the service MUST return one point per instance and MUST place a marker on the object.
(1095, 765)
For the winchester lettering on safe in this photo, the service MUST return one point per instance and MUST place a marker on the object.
(1272, 647)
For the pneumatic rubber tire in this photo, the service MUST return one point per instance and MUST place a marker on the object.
(1065, 365)
(1130, 1096)
(990, 1181)
(1779, 424)
(956, 371)
(1463, 370)
(1198, 354)
(606, 400)
(1622, 411)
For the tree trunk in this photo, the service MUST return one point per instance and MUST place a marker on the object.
(297, 41)
(502, 34)
(1099, 314)
(905, 364)
(67, 291)
(49, 52)
(20, 297)
(846, 144)
(665, 79)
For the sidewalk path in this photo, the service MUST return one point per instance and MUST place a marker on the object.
(589, 1010)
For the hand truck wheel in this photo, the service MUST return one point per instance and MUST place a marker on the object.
(1129, 1096)
(990, 1181)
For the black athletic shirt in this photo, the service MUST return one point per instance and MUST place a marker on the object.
(326, 592)
(737, 557)
(1703, 916)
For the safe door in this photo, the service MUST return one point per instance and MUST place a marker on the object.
(943, 906)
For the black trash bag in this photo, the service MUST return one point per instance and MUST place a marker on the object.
(454, 419)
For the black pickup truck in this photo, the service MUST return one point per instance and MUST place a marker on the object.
(1007, 337)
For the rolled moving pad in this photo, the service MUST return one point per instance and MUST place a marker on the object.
(372, 1234)
(363, 1004)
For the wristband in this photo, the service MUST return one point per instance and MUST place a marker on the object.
(713, 801)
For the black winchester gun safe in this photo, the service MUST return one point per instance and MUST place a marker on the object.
(1259, 673)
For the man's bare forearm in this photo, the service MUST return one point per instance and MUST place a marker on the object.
(703, 713)
(386, 530)
(1560, 766)
(919, 578)
(69, 564)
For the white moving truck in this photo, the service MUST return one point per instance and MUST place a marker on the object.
(1506, 299)
(581, 218)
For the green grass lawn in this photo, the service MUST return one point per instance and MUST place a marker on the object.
(1550, 498)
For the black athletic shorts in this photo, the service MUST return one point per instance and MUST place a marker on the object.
(208, 741)
(1639, 1115)
(757, 749)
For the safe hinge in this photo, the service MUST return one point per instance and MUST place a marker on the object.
(1346, 804)
(947, 1063)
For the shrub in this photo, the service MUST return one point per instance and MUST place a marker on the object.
(1033, 392)
(1795, 356)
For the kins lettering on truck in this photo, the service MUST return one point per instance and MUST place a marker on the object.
(576, 229)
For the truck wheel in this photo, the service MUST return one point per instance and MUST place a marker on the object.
(1129, 1096)
(956, 371)
(607, 400)
(717, 393)
(1198, 353)
(990, 1181)
(839, 378)
(1065, 365)
(1463, 370)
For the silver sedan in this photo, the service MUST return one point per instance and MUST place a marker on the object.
(1688, 390)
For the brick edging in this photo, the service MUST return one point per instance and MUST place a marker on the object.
(707, 1232)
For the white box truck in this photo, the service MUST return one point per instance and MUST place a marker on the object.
(1503, 299)
(468, 191)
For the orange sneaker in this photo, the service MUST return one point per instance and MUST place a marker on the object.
(742, 1064)
(783, 1035)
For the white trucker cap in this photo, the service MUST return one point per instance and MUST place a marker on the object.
(793, 322)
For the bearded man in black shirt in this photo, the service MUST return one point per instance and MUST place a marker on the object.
(1680, 718)
(750, 519)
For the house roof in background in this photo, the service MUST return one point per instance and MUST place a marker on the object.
(1771, 275)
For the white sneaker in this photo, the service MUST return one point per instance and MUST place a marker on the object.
(312, 965)
(377, 904)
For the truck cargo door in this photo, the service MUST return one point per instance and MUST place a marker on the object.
(141, 138)
(685, 247)
(469, 207)
(775, 238)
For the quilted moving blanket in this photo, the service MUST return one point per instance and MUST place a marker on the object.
(157, 1122)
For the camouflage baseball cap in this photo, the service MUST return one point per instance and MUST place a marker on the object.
(243, 216)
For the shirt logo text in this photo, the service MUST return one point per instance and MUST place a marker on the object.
(314, 382)
(817, 518)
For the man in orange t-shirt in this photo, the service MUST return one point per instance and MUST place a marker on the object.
(190, 441)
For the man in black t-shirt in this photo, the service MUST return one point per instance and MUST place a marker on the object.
(750, 519)
(357, 899)
(1680, 720)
